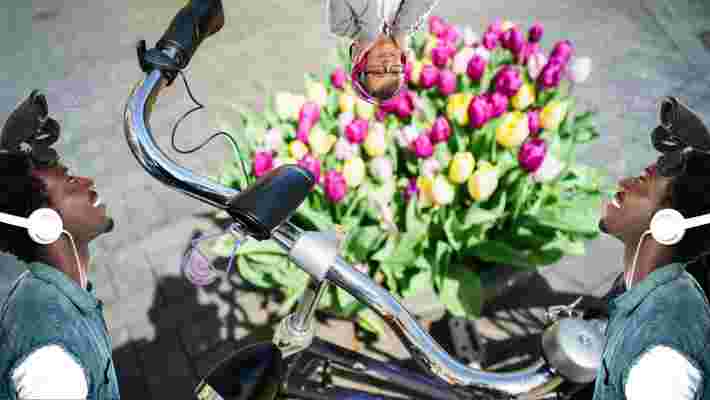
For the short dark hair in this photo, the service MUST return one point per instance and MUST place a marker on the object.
(690, 195)
(20, 194)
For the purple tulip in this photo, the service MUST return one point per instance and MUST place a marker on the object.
(476, 67)
(535, 33)
(562, 51)
(411, 190)
(356, 131)
(531, 154)
(436, 25)
(534, 121)
(307, 117)
(490, 40)
(447, 82)
(335, 186)
(516, 40)
(479, 111)
(440, 130)
(429, 76)
(551, 74)
(422, 146)
(338, 78)
(498, 104)
(508, 80)
(311, 164)
(263, 163)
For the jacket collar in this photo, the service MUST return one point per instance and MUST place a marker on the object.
(85, 300)
(627, 302)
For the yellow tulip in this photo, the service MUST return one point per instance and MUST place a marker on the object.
(288, 105)
(426, 186)
(354, 171)
(443, 192)
(513, 129)
(457, 108)
(346, 101)
(297, 149)
(319, 141)
(316, 92)
(363, 109)
(524, 98)
(375, 142)
(552, 114)
(483, 182)
(461, 167)
(416, 71)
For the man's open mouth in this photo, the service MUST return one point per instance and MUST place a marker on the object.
(95, 199)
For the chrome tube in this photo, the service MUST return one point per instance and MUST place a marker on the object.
(421, 345)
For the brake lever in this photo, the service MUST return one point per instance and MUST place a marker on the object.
(555, 313)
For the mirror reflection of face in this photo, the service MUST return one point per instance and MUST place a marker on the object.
(384, 71)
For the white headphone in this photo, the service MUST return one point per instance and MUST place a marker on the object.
(44, 225)
(668, 225)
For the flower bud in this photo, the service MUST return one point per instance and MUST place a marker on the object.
(524, 98)
(429, 76)
(479, 111)
(346, 102)
(338, 78)
(536, 62)
(436, 25)
(476, 67)
(490, 40)
(297, 149)
(354, 171)
(440, 130)
(422, 146)
(553, 114)
(457, 108)
(461, 167)
(311, 164)
(498, 104)
(447, 82)
(381, 169)
(263, 163)
(563, 51)
(483, 183)
(356, 131)
(513, 130)
(335, 186)
(430, 167)
(531, 154)
(534, 121)
(508, 81)
(443, 192)
(535, 33)
(375, 144)
(321, 142)
(411, 190)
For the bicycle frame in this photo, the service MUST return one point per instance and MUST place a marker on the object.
(315, 253)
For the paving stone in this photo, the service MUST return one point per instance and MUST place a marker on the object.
(132, 273)
(169, 374)
(131, 310)
(129, 371)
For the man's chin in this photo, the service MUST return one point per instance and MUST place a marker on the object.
(602, 226)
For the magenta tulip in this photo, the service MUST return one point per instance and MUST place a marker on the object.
(551, 74)
(389, 106)
(338, 78)
(429, 76)
(440, 130)
(311, 164)
(380, 115)
(562, 51)
(532, 154)
(450, 35)
(406, 100)
(436, 25)
(479, 111)
(307, 117)
(490, 40)
(440, 55)
(498, 104)
(422, 146)
(476, 67)
(447, 82)
(408, 72)
(411, 190)
(356, 131)
(535, 33)
(516, 40)
(335, 186)
(263, 163)
(534, 121)
(496, 27)
(508, 80)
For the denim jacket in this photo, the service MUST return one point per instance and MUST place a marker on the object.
(667, 308)
(46, 307)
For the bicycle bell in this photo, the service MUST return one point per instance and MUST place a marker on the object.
(573, 347)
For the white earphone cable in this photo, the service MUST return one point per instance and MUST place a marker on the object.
(629, 279)
(82, 275)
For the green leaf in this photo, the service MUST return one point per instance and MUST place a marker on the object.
(584, 120)
(362, 241)
(320, 220)
(461, 292)
(442, 258)
(368, 320)
(501, 253)
(479, 216)
(415, 225)
(418, 281)
(580, 215)
(255, 276)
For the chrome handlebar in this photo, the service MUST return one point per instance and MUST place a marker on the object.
(420, 344)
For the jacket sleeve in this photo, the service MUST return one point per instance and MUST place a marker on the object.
(349, 18)
(412, 14)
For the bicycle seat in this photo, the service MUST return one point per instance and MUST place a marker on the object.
(271, 200)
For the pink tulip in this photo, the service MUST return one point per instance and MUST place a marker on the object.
(440, 55)
(476, 68)
(263, 163)
(436, 25)
(356, 131)
(405, 103)
(529, 49)
(450, 35)
(380, 115)
(311, 164)
(408, 72)
(447, 82)
(534, 121)
(429, 76)
(335, 186)
(307, 117)
(551, 74)
(508, 80)
(490, 40)
(531, 154)
(562, 51)
(516, 40)
(496, 27)
(411, 190)
(338, 78)
(440, 130)
(535, 33)
(479, 111)
(498, 103)
(422, 146)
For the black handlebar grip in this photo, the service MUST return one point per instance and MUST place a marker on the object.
(194, 23)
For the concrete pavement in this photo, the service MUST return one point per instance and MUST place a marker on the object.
(167, 333)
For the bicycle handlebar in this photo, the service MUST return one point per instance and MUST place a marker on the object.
(420, 344)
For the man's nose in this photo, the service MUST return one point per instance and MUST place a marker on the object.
(88, 182)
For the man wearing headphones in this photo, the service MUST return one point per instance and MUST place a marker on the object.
(659, 319)
(54, 343)
(379, 30)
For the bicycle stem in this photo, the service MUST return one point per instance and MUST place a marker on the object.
(420, 344)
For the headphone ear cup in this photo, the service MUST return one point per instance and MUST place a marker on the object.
(45, 226)
(667, 226)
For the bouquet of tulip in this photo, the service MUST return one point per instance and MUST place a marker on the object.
(472, 165)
